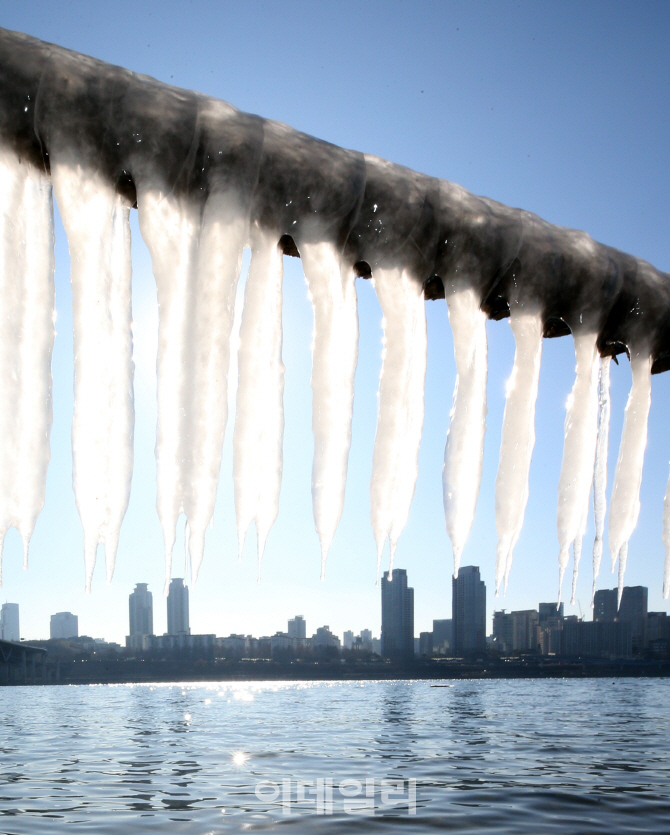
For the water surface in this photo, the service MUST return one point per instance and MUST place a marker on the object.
(558, 756)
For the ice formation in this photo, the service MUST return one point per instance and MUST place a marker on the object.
(208, 181)
(600, 469)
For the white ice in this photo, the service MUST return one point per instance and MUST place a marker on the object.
(518, 437)
(259, 422)
(666, 541)
(600, 472)
(26, 342)
(625, 501)
(335, 350)
(579, 447)
(464, 452)
(196, 260)
(400, 405)
(96, 220)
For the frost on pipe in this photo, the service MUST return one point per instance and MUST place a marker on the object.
(518, 437)
(204, 174)
(26, 342)
(464, 452)
(335, 350)
(625, 501)
(600, 469)
(579, 446)
(96, 220)
(399, 407)
(259, 423)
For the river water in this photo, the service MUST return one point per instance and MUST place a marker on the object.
(559, 756)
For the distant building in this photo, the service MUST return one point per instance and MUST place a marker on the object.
(282, 641)
(503, 632)
(397, 616)
(348, 640)
(141, 611)
(525, 625)
(177, 608)
(596, 639)
(64, 625)
(468, 607)
(237, 645)
(323, 637)
(377, 646)
(425, 644)
(633, 610)
(297, 628)
(549, 613)
(657, 635)
(9, 622)
(442, 636)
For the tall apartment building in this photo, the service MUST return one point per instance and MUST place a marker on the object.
(141, 611)
(503, 632)
(442, 636)
(9, 622)
(525, 637)
(64, 625)
(468, 611)
(397, 616)
(633, 610)
(297, 628)
(177, 608)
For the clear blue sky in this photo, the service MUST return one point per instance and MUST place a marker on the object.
(557, 107)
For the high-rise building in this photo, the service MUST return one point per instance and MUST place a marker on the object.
(397, 615)
(605, 605)
(503, 631)
(550, 612)
(442, 636)
(525, 637)
(348, 640)
(9, 622)
(64, 625)
(141, 611)
(468, 608)
(297, 628)
(633, 610)
(177, 608)
(425, 643)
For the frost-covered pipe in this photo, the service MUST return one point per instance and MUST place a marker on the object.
(518, 437)
(464, 452)
(600, 469)
(399, 407)
(332, 292)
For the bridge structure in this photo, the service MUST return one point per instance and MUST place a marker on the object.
(19, 662)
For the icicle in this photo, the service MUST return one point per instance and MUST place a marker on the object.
(518, 437)
(170, 228)
(335, 350)
(623, 559)
(625, 501)
(259, 423)
(219, 262)
(400, 406)
(96, 220)
(463, 455)
(600, 472)
(579, 449)
(666, 541)
(26, 342)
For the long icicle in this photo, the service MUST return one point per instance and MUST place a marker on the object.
(222, 238)
(26, 343)
(259, 422)
(171, 228)
(332, 292)
(96, 220)
(400, 406)
(600, 470)
(666, 541)
(464, 451)
(579, 448)
(518, 437)
(625, 501)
